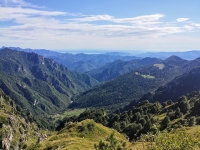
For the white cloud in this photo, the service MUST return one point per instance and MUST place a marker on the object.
(39, 27)
(189, 27)
(9, 13)
(196, 24)
(18, 3)
(147, 19)
(182, 19)
(140, 19)
(92, 18)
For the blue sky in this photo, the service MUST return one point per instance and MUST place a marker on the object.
(113, 25)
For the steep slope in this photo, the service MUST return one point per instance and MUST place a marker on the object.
(38, 84)
(119, 67)
(132, 85)
(78, 62)
(181, 85)
(17, 130)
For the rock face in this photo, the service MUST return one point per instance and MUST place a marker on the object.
(42, 138)
(7, 136)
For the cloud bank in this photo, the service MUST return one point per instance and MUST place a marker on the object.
(27, 24)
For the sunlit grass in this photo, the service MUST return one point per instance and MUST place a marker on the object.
(147, 76)
(79, 136)
(159, 66)
(68, 113)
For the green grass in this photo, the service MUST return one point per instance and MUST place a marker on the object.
(147, 76)
(68, 113)
(159, 66)
(74, 112)
(82, 135)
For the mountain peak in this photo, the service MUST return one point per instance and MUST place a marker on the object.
(174, 57)
(175, 60)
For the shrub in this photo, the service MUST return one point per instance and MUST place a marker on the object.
(179, 140)
(192, 121)
(111, 143)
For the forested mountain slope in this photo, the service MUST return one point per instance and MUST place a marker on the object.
(119, 67)
(134, 84)
(39, 85)
(181, 85)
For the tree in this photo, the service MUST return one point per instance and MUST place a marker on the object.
(184, 106)
(116, 126)
(165, 122)
(147, 127)
(178, 113)
(192, 121)
(182, 98)
(136, 117)
(142, 121)
(196, 107)
(131, 130)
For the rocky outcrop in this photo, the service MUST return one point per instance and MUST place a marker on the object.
(7, 136)
(16, 128)
(42, 138)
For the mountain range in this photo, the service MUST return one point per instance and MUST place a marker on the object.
(163, 95)
(133, 85)
(181, 85)
(38, 84)
(79, 62)
(120, 67)
(189, 55)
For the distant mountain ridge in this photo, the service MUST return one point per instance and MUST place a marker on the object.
(38, 84)
(119, 67)
(79, 62)
(189, 55)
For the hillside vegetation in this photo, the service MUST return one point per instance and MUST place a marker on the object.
(39, 85)
(80, 135)
(147, 117)
(133, 85)
(17, 129)
(119, 67)
(181, 85)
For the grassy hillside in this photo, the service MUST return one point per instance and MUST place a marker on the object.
(81, 135)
